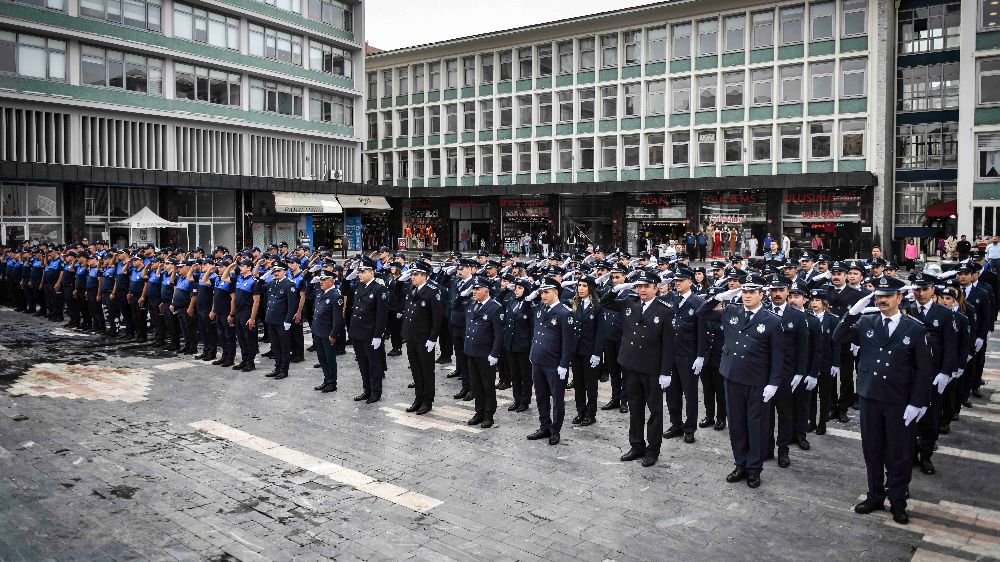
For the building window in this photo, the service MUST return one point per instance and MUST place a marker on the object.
(631, 39)
(929, 28)
(820, 140)
(402, 117)
(506, 65)
(387, 166)
(469, 71)
(708, 37)
(50, 4)
(761, 150)
(403, 80)
(372, 85)
(418, 164)
(33, 56)
(544, 108)
(734, 27)
(195, 24)
(331, 13)
(403, 169)
(524, 157)
(656, 95)
(434, 76)
(294, 6)
(469, 160)
(609, 50)
(468, 116)
(680, 148)
(762, 84)
(654, 149)
(331, 60)
(586, 154)
(386, 124)
(565, 155)
(657, 48)
(435, 163)
(143, 14)
(609, 101)
(204, 84)
(791, 83)
(544, 155)
(524, 63)
(631, 93)
(372, 168)
(545, 60)
(434, 117)
(733, 82)
(587, 54)
(524, 111)
(609, 153)
(680, 46)
(565, 99)
(821, 78)
(372, 126)
(451, 118)
(706, 147)
(565, 57)
(275, 97)
(989, 81)
(451, 161)
(587, 96)
(451, 74)
(927, 146)
(791, 24)
(506, 113)
(912, 198)
(680, 95)
(387, 83)
(733, 145)
(852, 77)
(707, 85)
(486, 114)
(989, 15)
(418, 79)
(855, 17)
(418, 121)
(763, 29)
(791, 142)
(821, 16)
(270, 44)
(988, 146)
(852, 138)
(115, 69)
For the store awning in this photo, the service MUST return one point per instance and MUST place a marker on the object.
(943, 210)
(146, 218)
(376, 202)
(311, 203)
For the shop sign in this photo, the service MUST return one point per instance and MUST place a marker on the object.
(731, 198)
(422, 214)
(524, 203)
(469, 203)
(822, 205)
(726, 219)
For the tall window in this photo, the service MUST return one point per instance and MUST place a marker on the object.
(565, 148)
(451, 160)
(707, 85)
(929, 28)
(486, 114)
(418, 78)
(506, 112)
(656, 97)
(402, 117)
(586, 160)
(275, 97)
(387, 83)
(545, 60)
(565, 57)
(418, 121)
(143, 14)
(434, 126)
(791, 83)
(206, 84)
(33, 56)
(821, 78)
(680, 45)
(218, 30)
(434, 76)
(654, 149)
(372, 126)
(544, 149)
(820, 140)
(761, 138)
(921, 88)
(821, 20)
(632, 40)
(524, 157)
(544, 108)
(852, 77)
(609, 50)
(733, 82)
(989, 81)
(469, 160)
(468, 116)
(587, 54)
(680, 148)
(761, 85)
(680, 95)
(403, 167)
(273, 44)
(852, 138)
(734, 28)
(418, 164)
(469, 71)
(435, 162)
(451, 118)
(331, 60)
(486, 160)
(294, 6)
(524, 63)
(116, 69)
(587, 96)
(506, 158)
(791, 141)
(524, 111)
(609, 152)
(506, 62)
(333, 13)
(451, 74)
(631, 94)
(403, 79)
(657, 48)
(732, 145)
(988, 155)
(763, 29)
(706, 147)
(927, 146)
(791, 24)
(855, 17)
(386, 124)
(708, 37)
(486, 62)
(609, 101)
(565, 100)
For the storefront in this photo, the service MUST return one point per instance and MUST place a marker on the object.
(731, 218)
(423, 226)
(829, 220)
(210, 215)
(660, 218)
(524, 217)
(470, 225)
(104, 205)
(30, 211)
(278, 217)
(366, 222)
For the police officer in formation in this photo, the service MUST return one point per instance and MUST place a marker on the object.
(421, 324)
(483, 342)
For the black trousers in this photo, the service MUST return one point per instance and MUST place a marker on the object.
(800, 409)
(171, 325)
(683, 382)
(422, 369)
(226, 336)
(209, 333)
(298, 340)
(111, 312)
(74, 308)
(644, 393)
(156, 326)
(123, 308)
(246, 337)
(49, 298)
(327, 359)
(845, 399)
(887, 446)
(370, 364)
(395, 330)
(281, 345)
(611, 349)
(781, 413)
(520, 376)
(550, 397)
(585, 380)
(929, 427)
(444, 339)
(748, 417)
(84, 307)
(96, 313)
(713, 391)
(483, 380)
(503, 369)
(823, 392)
(186, 324)
(461, 363)
(138, 318)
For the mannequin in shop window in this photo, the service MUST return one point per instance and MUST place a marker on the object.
(732, 241)
(718, 243)
(710, 235)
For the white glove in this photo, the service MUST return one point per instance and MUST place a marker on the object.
(835, 371)
(532, 296)
(562, 372)
(922, 412)
(568, 283)
(466, 292)
(855, 349)
(352, 275)
(941, 381)
(910, 414)
(399, 315)
(622, 286)
(595, 360)
(698, 364)
(769, 392)
(861, 304)
(811, 383)
(287, 326)
(870, 309)
(723, 297)
(958, 373)
(603, 278)
(430, 345)
(406, 275)
(492, 360)
(664, 381)
(380, 281)
(824, 275)
(315, 268)
(376, 343)
(979, 344)
(795, 381)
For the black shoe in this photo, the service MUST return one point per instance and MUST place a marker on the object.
(689, 437)
(736, 475)
(783, 460)
(269, 355)
(227, 363)
(945, 428)
(249, 367)
(443, 360)
(273, 373)
(320, 387)
(810, 427)
(604, 378)
(821, 429)
(612, 405)
(966, 404)
(855, 405)
(297, 359)
(468, 397)
(454, 375)
(461, 394)
(719, 425)
(927, 467)
(394, 353)
(554, 439)
(280, 376)
(413, 407)
(589, 420)
(239, 365)
(649, 460)
(900, 516)
(362, 397)
(503, 386)
(579, 418)
(977, 394)
(538, 434)
(411, 385)
(476, 420)
(199, 357)
(426, 407)
(317, 366)
(373, 399)
(209, 358)
(522, 408)
(512, 407)
(804, 443)
(707, 422)
(311, 348)
(624, 408)
(672, 432)
(487, 423)
(753, 481)
(220, 360)
(869, 505)
(842, 418)
(633, 454)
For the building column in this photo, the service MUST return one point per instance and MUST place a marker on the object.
(967, 156)
(74, 213)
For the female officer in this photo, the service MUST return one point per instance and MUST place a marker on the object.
(588, 318)
(517, 344)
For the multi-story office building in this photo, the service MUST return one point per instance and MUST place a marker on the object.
(738, 117)
(225, 115)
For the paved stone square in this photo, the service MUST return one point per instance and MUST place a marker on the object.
(122, 453)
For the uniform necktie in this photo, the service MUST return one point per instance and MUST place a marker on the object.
(777, 310)
(887, 321)
(475, 311)
(747, 316)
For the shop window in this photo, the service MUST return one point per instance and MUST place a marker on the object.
(565, 57)
(852, 138)
(587, 54)
(586, 146)
(565, 98)
(506, 65)
(544, 149)
(733, 145)
(656, 97)
(708, 37)
(763, 29)
(761, 85)
(609, 50)
(545, 60)
(791, 24)
(656, 47)
(791, 142)
(609, 153)
(734, 28)
(609, 102)
(821, 18)
(654, 149)
(632, 40)
(680, 148)
(761, 143)
(733, 82)
(630, 94)
(706, 147)
(565, 155)
(791, 83)
(544, 108)
(680, 45)
(680, 95)
(707, 85)
(820, 140)
(855, 17)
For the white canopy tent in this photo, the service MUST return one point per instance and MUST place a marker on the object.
(146, 218)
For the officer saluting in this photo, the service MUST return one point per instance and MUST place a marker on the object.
(282, 304)
(752, 359)
(421, 323)
(894, 382)
(551, 353)
(483, 343)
